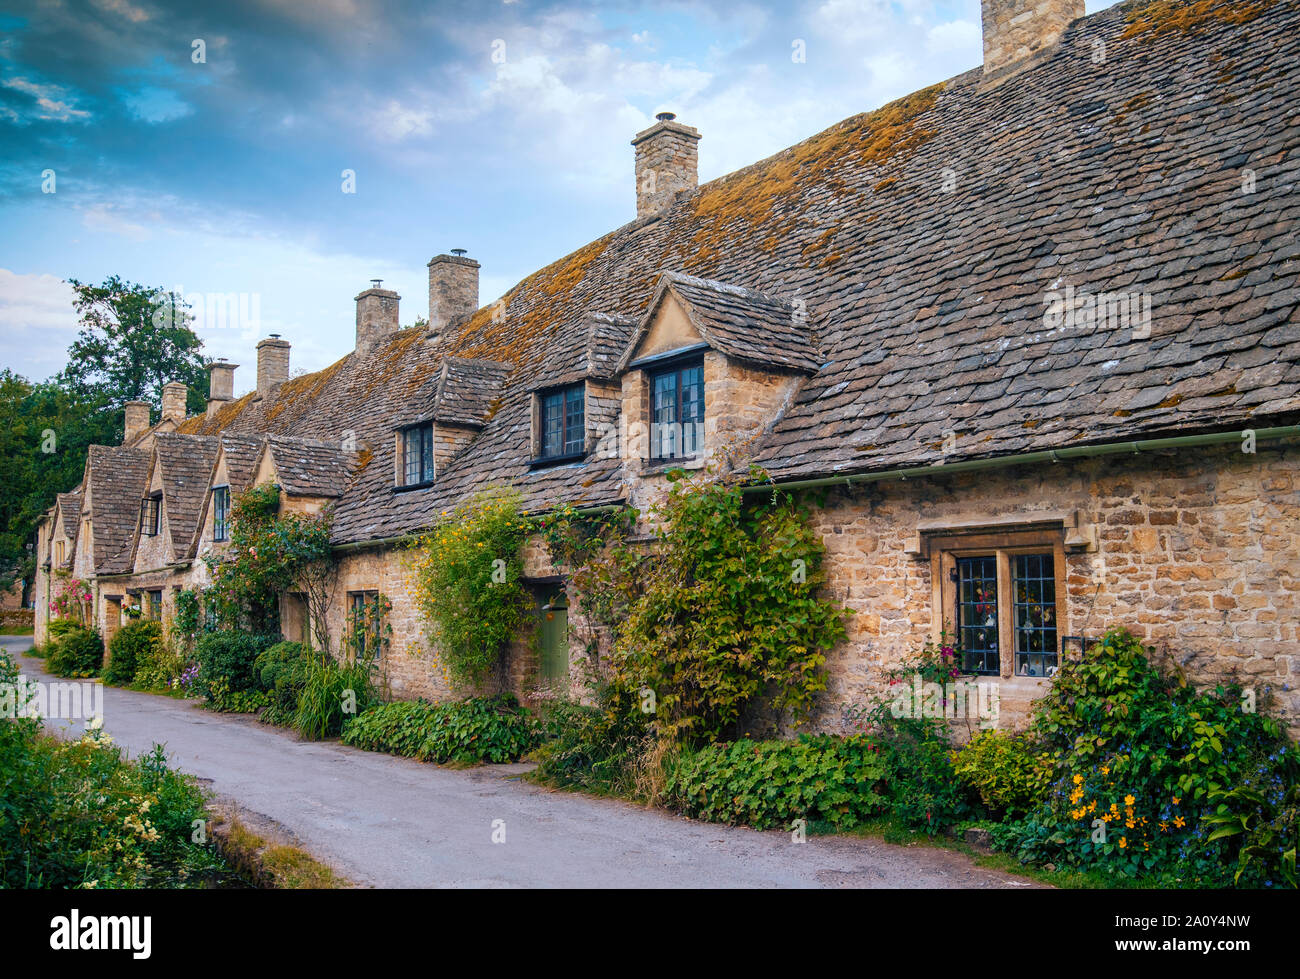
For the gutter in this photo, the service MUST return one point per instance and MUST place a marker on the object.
(971, 465)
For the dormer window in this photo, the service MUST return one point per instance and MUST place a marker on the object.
(563, 423)
(677, 411)
(151, 515)
(417, 455)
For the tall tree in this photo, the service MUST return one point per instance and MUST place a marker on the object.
(133, 340)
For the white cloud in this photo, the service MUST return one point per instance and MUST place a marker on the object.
(39, 322)
(52, 101)
(956, 37)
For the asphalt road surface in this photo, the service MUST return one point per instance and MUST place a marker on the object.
(393, 822)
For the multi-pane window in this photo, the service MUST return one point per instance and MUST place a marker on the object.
(1001, 596)
(563, 425)
(221, 513)
(1033, 578)
(417, 455)
(977, 613)
(677, 412)
(155, 606)
(151, 515)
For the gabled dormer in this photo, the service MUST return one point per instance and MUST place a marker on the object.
(709, 367)
(576, 395)
(233, 468)
(465, 397)
(170, 511)
(311, 473)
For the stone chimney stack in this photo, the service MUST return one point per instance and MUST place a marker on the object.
(137, 419)
(453, 290)
(272, 364)
(221, 385)
(1016, 30)
(667, 162)
(376, 315)
(175, 393)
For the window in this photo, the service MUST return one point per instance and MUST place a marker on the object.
(417, 455)
(677, 412)
(996, 593)
(155, 606)
(364, 623)
(221, 513)
(60, 552)
(563, 428)
(151, 515)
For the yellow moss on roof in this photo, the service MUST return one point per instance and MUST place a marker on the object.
(224, 417)
(752, 195)
(1166, 16)
(304, 388)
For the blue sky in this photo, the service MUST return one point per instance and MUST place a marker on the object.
(501, 127)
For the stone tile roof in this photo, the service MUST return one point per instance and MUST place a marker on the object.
(926, 239)
(186, 462)
(742, 323)
(241, 454)
(468, 390)
(119, 476)
(310, 467)
(70, 512)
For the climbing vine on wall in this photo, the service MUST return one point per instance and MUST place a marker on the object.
(730, 612)
(466, 577)
(270, 553)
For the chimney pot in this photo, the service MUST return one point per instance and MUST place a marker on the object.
(1017, 30)
(667, 163)
(272, 364)
(453, 290)
(137, 420)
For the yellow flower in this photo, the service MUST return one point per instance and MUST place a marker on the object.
(1129, 800)
(1078, 780)
(1123, 842)
(1175, 800)
(1179, 822)
(1105, 770)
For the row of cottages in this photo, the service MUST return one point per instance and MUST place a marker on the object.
(1032, 332)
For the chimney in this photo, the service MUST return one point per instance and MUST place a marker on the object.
(376, 315)
(453, 290)
(1016, 30)
(667, 162)
(175, 394)
(221, 385)
(272, 364)
(137, 420)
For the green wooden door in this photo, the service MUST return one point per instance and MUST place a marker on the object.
(553, 614)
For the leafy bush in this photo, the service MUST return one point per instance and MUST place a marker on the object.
(825, 779)
(230, 656)
(924, 791)
(76, 652)
(491, 729)
(282, 672)
(75, 813)
(468, 582)
(1260, 820)
(1008, 772)
(595, 749)
(729, 611)
(164, 664)
(1141, 758)
(130, 646)
(331, 693)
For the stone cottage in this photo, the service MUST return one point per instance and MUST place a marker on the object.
(1034, 332)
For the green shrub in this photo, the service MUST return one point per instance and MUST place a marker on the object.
(331, 693)
(75, 813)
(824, 779)
(282, 672)
(594, 749)
(163, 664)
(1259, 821)
(230, 655)
(130, 646)
(1009, 772)
(77, 652)
(1142, 754)
(491, 729)
(924, 791)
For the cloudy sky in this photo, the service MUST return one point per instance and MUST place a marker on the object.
(202, 145)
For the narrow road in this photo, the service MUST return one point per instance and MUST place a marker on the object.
(394, 822)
